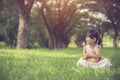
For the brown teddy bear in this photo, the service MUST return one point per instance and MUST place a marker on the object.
(92, 59)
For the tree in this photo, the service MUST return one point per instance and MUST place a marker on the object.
(59, 17)
(113, 16)
(112, 12)
(111, 9)
(24, 9)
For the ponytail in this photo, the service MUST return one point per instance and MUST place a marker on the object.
(99, 41)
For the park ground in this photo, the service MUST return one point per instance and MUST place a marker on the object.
(44, 64)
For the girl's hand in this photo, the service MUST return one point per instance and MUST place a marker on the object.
(87, 56)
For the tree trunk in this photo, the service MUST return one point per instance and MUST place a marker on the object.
(115, 40)
(60, 43)
(51, 41)
(22, 39)
(24, 8)
(115, 37)
(102, 35)
(114, 28)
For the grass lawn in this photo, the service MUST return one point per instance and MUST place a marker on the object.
(44, 64)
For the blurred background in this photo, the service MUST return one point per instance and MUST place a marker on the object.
(58, 23)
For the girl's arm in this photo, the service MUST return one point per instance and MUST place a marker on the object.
(98, 52)
(84, 53)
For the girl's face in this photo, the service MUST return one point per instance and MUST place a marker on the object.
(90, 40)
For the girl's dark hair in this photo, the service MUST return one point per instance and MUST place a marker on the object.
(94, 34)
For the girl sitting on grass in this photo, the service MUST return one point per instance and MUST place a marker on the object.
(91, 52)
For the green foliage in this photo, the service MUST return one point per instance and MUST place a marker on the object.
(38, 34)
(8, 21)
(2, 44)
(44, 64)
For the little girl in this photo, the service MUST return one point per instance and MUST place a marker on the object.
(91, 52)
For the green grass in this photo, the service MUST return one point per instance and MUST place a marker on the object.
(44, 64)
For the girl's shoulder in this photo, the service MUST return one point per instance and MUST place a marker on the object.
(98, 46)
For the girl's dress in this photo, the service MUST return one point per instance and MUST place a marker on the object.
(102, 63)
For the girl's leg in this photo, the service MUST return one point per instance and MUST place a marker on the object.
(105, 63)
(82, 62)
